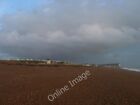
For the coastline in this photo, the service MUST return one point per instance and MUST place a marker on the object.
(130, 69)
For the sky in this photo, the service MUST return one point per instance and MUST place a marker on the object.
(81, 31)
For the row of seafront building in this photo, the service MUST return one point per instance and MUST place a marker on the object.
(40, 61)
(51, 62)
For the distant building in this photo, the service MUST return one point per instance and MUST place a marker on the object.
(50, 62)
(110, 65)
(88, 65)
(39, 62)
(60, 62)
(56, 62)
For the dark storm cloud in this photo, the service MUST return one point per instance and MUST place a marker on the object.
(76, 30)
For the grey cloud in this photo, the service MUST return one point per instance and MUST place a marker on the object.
(75, 30)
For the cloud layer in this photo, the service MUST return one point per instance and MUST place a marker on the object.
(81, 30)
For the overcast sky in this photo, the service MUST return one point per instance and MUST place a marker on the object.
(82, 31)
